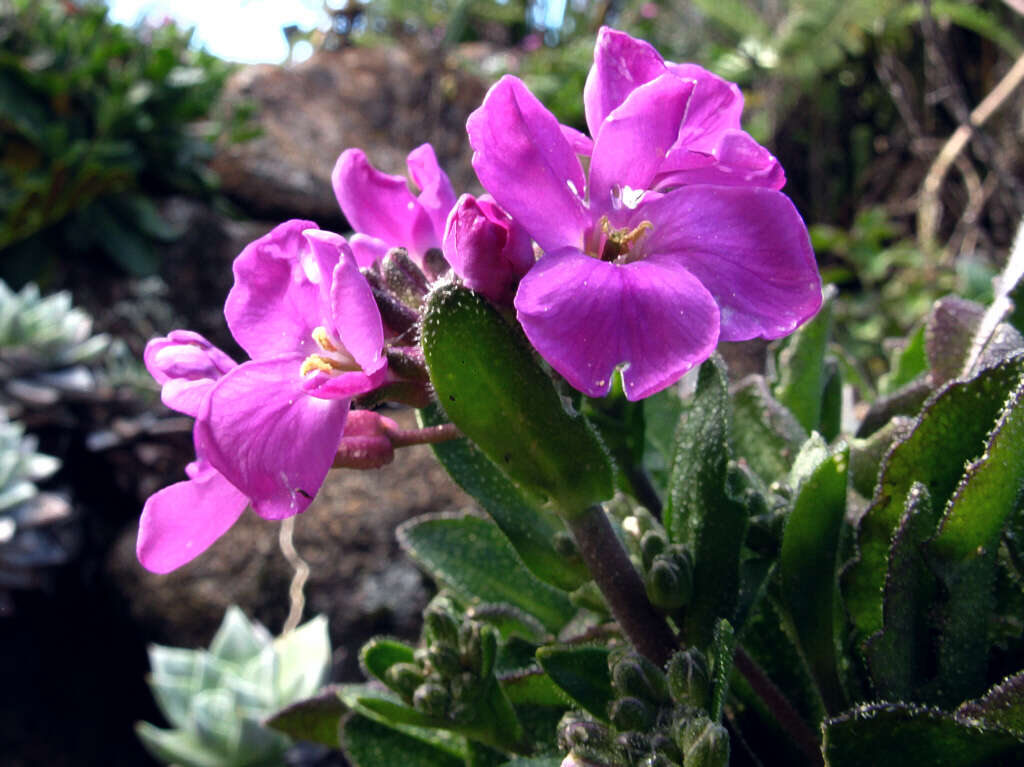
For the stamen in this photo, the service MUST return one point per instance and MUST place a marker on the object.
(323, 339)
(316, 363)
(619, 241)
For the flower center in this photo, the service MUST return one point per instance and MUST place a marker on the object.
(335, 358)
(618, 242)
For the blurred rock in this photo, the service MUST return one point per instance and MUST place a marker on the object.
(358, 575)
(384, 100)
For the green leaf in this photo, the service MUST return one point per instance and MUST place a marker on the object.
(368, 743)
(963, 553)
(907, 363)
(808, 566)
(802, 366)
(702, 510)
(472, 557)
(384, 706)
(381, 653)
(493, 389)
(315, 719)
(534, 687)
(901, 653)
(950, 432)
(831, 400)
(1002, 706)
(661, 414)
(176, 747)
(764, 432)
(582, 672)
(894, 735)
(530, 528)
(723, 646)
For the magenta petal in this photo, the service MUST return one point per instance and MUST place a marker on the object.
(186, 365)
(355, 315)
(750, 249)
(338, 386)
(436, 194)
(272, 307)
(581, 143)
(181, 521)
(586, 317)
(379, 204)
(524, 161)
(735, 160)
(715, 106)
(633, 139)
(267, 437)
(366, 249)
(621, 64)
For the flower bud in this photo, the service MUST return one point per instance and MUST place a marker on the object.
(487, 248)
(669, 581)
(441, 626)
(445, 659)
(365, 444)
(652, 543)
(689, 681)
(633, 674)
(404, 678)
(403, 278)
(396, 316)
(707, 744)
(631, 714)
(432, 699)
(435, 265)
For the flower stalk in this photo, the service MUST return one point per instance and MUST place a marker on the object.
(621, 585)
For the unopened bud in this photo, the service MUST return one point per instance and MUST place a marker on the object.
(431, 699)
(708, 745)
(669, 581)
(403, 278)
(487, 248)
(631, 714)
(445, 659)
(652, 543)
(634, 675)
(435, 265)
(440, 624)
(404, 678)
(689, 681)
(564, 544)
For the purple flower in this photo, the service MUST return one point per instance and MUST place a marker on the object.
(181, 521)
(267, 430)
(487, 248)
(382, 210)
(709, 147)
(633, 277)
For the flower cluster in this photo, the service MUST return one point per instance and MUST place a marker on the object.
(674, 238)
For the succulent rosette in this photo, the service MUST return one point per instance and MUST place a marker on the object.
(646, 265)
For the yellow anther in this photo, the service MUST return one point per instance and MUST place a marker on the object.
(316, 363)
(323, 339)
(619, 241)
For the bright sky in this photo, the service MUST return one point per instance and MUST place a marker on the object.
(238, 30)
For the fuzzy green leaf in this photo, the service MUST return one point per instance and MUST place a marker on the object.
(702, 510)
(315, 719)
(802, 365)
(492, 388)
(381, 653)
(582, 672)
(529, 528)
(764, 432)
(894, 735)
(808, 566)
(368, 743)
(472, 557)
(1002, 706)
(951, 431)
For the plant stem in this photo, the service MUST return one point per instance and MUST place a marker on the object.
(785, 714)
(623, 589)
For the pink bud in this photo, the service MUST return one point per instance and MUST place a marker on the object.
(487, 248)
(365, 443)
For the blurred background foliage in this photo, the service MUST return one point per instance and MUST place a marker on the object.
(97, 122)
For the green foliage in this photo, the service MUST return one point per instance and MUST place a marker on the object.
(98, 120)
(492, 388)
(216, 699)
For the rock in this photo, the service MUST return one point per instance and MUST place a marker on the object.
(358, 575)
(385, 100)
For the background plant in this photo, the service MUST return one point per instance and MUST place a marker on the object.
(97, 121)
